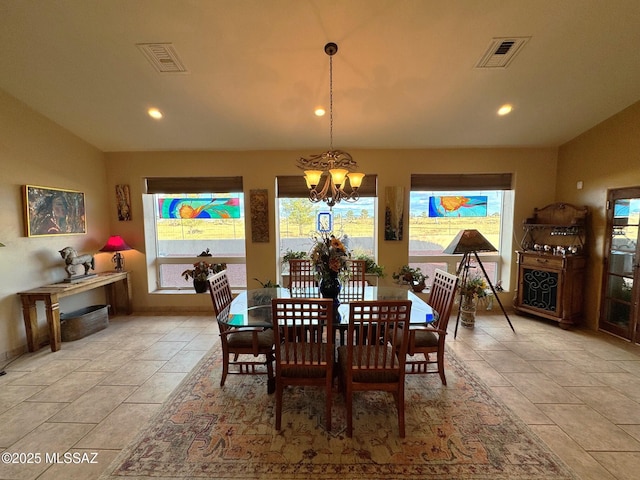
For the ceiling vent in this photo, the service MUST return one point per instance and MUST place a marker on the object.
(501, 52)
(163, 57)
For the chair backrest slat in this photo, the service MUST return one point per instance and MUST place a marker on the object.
(442, 296)
(376, 332)
(353, 287)
(301, 275)
(220, 291)
(302, 328)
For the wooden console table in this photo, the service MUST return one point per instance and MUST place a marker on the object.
(51, 294)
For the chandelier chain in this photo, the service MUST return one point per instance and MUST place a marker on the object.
(330, 102)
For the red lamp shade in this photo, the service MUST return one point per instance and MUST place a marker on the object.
(115, 244)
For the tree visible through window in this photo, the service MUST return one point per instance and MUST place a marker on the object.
(354, 222)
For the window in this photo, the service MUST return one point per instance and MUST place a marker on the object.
(186, 224)
(439, 213)
(298, 217)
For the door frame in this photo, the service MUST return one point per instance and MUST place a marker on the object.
(632, 333)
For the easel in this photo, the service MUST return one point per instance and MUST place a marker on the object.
(463, 275)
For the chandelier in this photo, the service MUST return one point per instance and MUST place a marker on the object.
(333, 167)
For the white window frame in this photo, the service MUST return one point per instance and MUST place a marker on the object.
(154, 260)
(506, 233)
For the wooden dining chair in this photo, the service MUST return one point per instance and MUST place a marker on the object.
(302, 278)
(304, 360)
(430, 339)
(240, 345)
(353, 286)
(375, 353)
(220, 291)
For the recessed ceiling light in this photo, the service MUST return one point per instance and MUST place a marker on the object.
(155, 113)
(505, 109)
(319, 111)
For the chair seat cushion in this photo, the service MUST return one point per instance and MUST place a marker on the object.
(244, 339)
(371, 375)
(304, 361)
(424, 338)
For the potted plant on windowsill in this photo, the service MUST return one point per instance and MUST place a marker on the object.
(201, 272)
(372, 268)
(291, 255)
(411, 276)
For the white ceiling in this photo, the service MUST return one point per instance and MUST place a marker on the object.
(404, 74)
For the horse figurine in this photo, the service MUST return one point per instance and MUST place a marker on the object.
(71, 259)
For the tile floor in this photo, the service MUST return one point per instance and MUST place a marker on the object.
(578, 390)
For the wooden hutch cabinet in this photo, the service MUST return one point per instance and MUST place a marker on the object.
(551, 264)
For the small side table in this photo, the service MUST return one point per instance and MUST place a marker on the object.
(51, 295)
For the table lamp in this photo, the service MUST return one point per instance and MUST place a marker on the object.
(116, 244)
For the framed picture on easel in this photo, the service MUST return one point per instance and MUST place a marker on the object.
(53, 211)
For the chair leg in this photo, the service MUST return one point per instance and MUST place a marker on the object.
(328, 388)
(441, 366)
(225, 368)
(279, 392)
(349, 399)
(400, 406)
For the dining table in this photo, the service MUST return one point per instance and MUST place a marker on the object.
(253, 307)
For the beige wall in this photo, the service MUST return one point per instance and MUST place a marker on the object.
(605, 157)
(534, 177)
(35, 151)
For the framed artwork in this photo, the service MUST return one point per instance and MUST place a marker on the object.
(393, 213)
(259, 206)
(53, 211)
(123, 198)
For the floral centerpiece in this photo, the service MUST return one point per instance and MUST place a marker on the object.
(329, 258)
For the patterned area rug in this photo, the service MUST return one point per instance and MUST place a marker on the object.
(460, 431)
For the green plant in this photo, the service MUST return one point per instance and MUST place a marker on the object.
(372, 267)
(292, 255)
(267, 284)
(202, 270)
(475, 287)
(410, 275)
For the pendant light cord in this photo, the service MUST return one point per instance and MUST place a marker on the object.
(331, 103)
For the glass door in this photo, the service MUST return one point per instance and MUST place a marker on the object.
(620, 292)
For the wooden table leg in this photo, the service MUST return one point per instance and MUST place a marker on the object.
(30, 315)
(112, 299)
(52, 307)
(127, 295)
